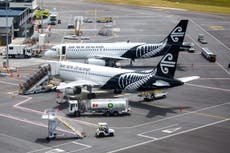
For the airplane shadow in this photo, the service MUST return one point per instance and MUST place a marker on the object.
(180, 67)
(62, 106)
(47, 141)
(156, 110)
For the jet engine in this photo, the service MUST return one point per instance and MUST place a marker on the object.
(72, 91)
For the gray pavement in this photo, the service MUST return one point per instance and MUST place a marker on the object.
(193, 118)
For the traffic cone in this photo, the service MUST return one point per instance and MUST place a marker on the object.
(11, 75)
(181, 108)
(18, 73)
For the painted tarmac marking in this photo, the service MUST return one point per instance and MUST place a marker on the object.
(223, 68)
(55, 151)
(170, 126)
(15, 138)
(175, 116)
(9, 116)
(46, 148)
(172, 130)
(54, 148)
(207, 87)
(168, 136)
(9, 83)
(208, 115)
(214, 78)
(216, 28)
(210, 34)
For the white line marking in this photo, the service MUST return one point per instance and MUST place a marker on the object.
(210, 34)
(214, 78)
(17, 139)
(13, 84)
(160, 128)
(175, 116)
(168, 136)
(145, 136)
(207, 87)
(75, 142)
(201, 47)
(172, 130)
(50, 147)
(223, 68)
(9, 116)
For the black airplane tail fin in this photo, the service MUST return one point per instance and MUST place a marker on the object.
(176, 36)
(167, 65)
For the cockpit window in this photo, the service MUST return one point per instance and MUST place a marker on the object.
(53, 49)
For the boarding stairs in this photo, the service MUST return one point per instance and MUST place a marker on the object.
(36, 83)
(56, 117)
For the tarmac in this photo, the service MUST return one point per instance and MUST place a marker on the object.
(194, 118)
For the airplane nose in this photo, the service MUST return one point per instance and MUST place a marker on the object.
(48, 53)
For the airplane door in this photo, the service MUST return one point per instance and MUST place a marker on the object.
(63, 50)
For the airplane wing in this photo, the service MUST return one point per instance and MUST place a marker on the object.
(111, 57)
(78, 83)
(187, 79)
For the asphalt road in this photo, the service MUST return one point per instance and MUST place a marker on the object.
(193, 118)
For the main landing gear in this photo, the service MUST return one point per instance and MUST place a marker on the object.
(90, 95)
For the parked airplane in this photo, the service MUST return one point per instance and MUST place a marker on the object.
(117, 79)
(108, 53)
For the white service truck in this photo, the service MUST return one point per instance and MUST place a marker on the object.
(19, 51)
(107, 107)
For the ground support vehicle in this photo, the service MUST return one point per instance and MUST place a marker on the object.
(104, 130)
(153, 95)
(209, 55)
(201, 39)
(104, 20)
(107, 107)
(19, 51)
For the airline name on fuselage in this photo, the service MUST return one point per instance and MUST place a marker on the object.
(86, 47)
(74, 68)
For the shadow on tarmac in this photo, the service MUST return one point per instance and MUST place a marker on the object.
(44, 141)
(156, 110)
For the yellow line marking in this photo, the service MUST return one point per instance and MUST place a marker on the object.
(207, 115)
(216, 27)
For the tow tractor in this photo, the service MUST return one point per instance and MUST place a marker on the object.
(153, 95)
(104, 130)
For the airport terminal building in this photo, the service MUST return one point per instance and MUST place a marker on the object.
(16, 16)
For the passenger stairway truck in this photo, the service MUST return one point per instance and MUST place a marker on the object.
(38, 82)
(54, 118)
(107, 107)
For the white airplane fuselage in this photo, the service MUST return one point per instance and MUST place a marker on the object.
(72, 71)
(91, 50)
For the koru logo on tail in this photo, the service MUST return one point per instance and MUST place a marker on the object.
(177, 32)
(166, 63)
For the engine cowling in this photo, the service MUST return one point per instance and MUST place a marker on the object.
(72, 91)
(96, 61)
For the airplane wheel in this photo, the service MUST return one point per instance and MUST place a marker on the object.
(91, 96)
(107, 113)
(117, 91)
(77, 113)
(115, 113)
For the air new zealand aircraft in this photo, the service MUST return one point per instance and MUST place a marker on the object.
(107, 54)
(80, 75)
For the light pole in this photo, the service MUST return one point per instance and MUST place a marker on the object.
(7, 41)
